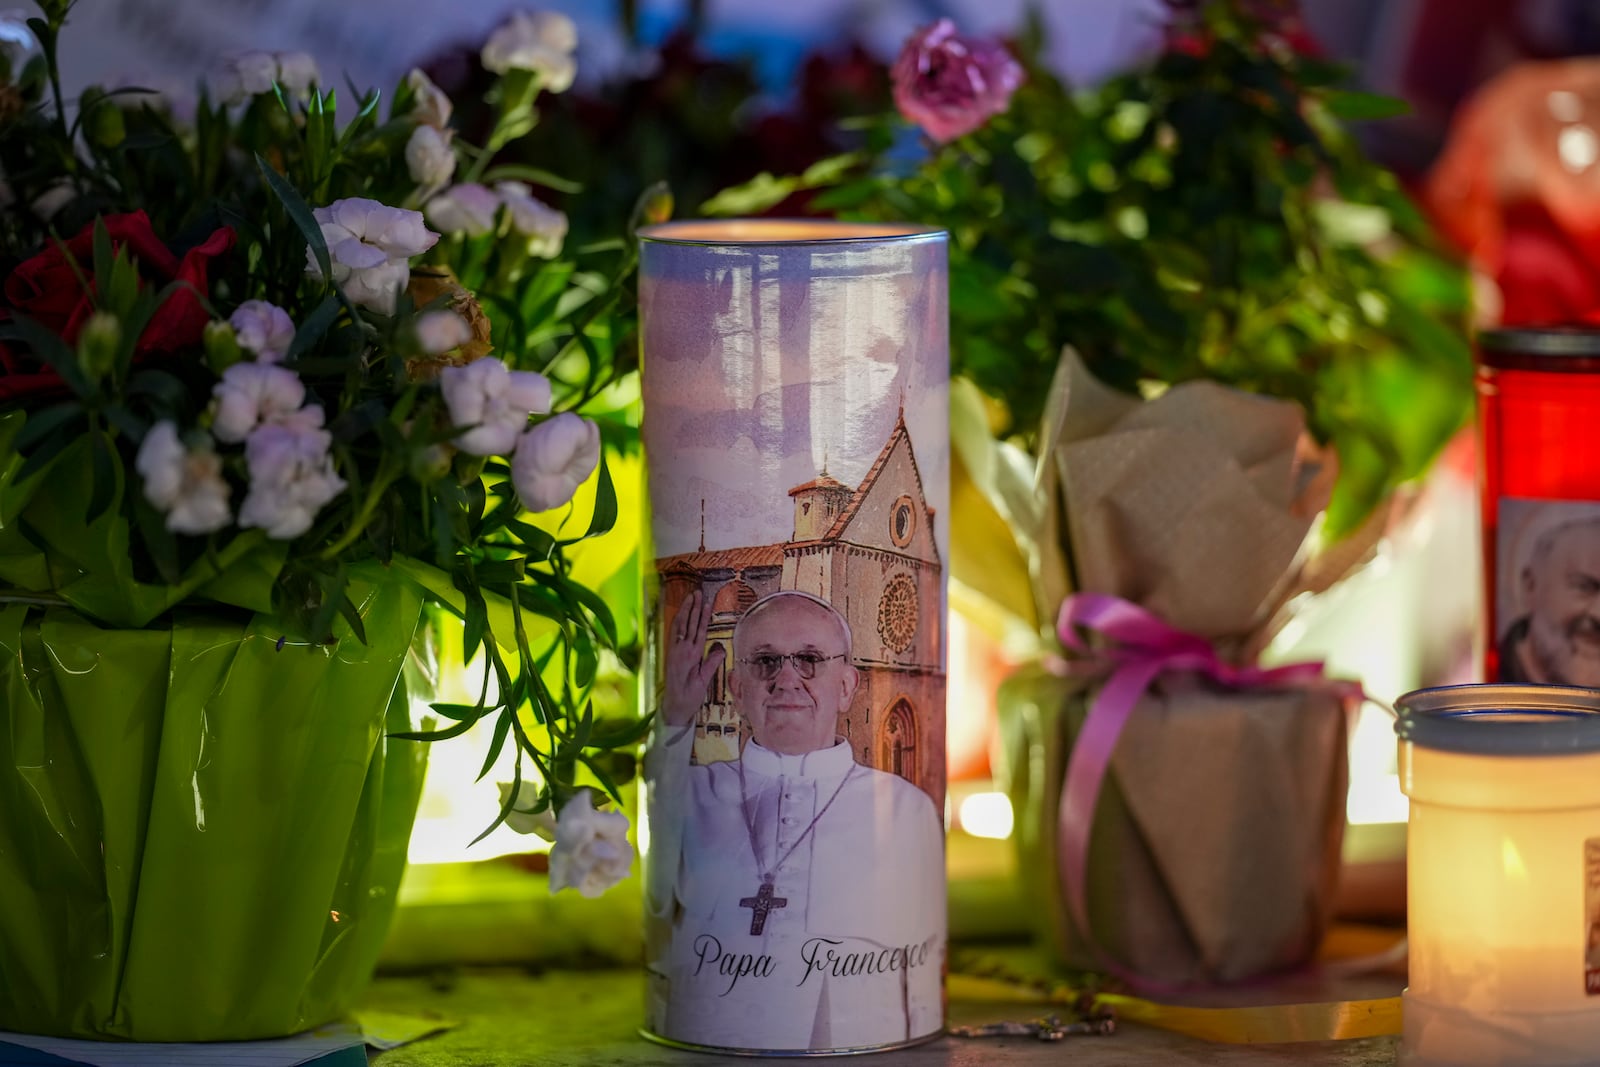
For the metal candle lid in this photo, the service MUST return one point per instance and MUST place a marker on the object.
(1502, 720)
(1546, 348)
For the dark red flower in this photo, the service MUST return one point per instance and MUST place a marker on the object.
(49, 288)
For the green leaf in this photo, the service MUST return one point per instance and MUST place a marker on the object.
(510, 801)
(460, 712)
(539, 544)
(104, 469)
(352, 617)
(499, 571)
(313, 328)
(300, 214)
(51, 349)
(602, 777)
(502, 728)
(41, 424)
(518, 173)
(620, 733)
(759, 194)
(605, 502)
(1354, 106)
(434, 735)
(585, 660)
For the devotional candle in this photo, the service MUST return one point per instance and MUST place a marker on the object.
(1539, 416)
(795, 381)
(1503, 875)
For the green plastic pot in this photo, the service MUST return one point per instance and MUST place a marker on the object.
(202, 832)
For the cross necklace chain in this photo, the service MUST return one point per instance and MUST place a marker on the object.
(764, 902)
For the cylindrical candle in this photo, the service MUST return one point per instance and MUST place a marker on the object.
(1503, 875)
(1539, 416)
(795, 381)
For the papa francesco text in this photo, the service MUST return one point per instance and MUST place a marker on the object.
(819, 954)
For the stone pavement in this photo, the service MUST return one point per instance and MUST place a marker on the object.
(511, 1018)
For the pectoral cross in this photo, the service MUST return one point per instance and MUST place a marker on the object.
(760, 904)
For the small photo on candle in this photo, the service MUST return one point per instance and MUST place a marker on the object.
(1547, 592)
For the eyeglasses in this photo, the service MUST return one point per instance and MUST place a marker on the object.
(767, 664)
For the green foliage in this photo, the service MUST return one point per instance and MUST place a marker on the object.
(1207, 217)
(79, 526)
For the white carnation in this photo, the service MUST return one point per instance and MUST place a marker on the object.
(543, 225)
(291, 478)
(440, 331)
(184, 484)
(251, 394)
(430, 106)
(540, 41)
(553, 459)
(429, 158)
(370, 246)
(264, 329)
(591, 852)
(493, 403)
(524, 821)
(467, 208)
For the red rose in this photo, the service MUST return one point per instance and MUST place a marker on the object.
(47, 288)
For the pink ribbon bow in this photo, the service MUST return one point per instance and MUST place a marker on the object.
(1141, 647)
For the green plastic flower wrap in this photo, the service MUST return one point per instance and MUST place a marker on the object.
(203, 822)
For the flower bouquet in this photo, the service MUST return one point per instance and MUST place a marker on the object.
(277, 388)
(1205, 342)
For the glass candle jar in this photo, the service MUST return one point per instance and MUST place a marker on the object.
(1503, 875)
(1539, 416)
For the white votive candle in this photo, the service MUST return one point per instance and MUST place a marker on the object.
(1503, 876)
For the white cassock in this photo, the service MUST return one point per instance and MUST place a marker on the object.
(855, 954)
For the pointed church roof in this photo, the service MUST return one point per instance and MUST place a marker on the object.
(898, 434)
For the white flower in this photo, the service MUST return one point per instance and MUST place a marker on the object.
(297, 73)
(525, 821)
(186, 484)
(543, 225)
(467, 208)
(53, 199)
(540, 41)
(430, 105)
(263, 328)
(553, 459)
(429, 158)
(494, 402)
(592, 853)
(440, 331)
(376, 288)
(291, 478)
(245, 74)
(370, 246)
(251, 394)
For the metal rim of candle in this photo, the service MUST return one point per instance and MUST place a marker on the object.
(1563, 349)
(1502, 719)
(785, 232)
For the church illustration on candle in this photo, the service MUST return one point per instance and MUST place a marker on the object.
(870, 551)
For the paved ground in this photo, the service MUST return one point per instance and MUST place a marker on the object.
(510, 1018)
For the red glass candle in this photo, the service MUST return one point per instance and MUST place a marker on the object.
(1539, 417)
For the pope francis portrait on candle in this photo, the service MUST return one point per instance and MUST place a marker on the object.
(796, 897)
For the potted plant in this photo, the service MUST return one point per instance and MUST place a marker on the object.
(278, 383)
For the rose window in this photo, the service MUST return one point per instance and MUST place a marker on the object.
(897, 613)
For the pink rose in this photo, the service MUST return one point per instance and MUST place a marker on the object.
(949, 84)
